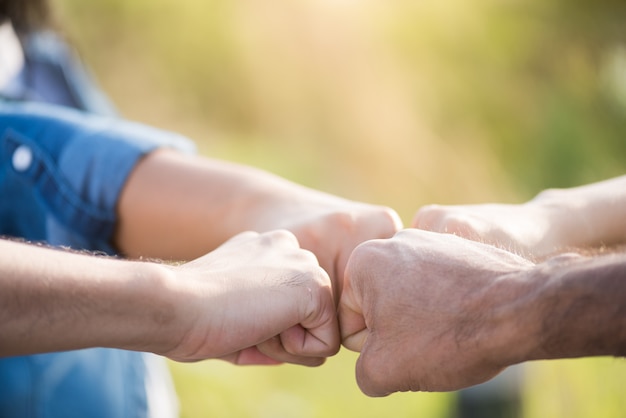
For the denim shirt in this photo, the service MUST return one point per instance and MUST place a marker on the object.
(62, 167)
(62, 171)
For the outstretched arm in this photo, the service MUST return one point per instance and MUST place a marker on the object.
(435, 312)
(255, 299)
(556, 220)
(177, 206)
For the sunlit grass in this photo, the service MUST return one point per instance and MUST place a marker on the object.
(577, 388)
(218, 389)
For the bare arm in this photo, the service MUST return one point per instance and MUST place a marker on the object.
(255, 299)
(54, 300)
(580, 306)
(176, 206)
(556, 220)
(434, 312)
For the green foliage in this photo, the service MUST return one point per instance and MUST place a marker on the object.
(539, 82)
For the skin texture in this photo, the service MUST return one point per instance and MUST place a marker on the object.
(178, 207)
(435, 312)
(257, 299)
(555, 221)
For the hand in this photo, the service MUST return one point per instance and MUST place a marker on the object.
(419, 309)
(257, 299)
(333, 231)
(532, 230)
(555, 221)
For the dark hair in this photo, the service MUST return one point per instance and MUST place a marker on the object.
(25, 15)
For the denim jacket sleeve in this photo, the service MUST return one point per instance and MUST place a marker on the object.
(64, 170)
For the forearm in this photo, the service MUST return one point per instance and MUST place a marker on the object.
(258, 298)
(54, 300)
(568, 308)
(179, 207)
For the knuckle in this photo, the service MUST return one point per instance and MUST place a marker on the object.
(342, 221)
(458, 225)
(280, 236)
(426, 213)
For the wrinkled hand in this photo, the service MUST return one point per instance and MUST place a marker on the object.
(257, 299)
(417, 307)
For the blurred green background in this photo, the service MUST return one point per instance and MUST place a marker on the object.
(401, 103)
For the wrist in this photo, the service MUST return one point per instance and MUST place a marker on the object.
(567, 216)
(507, 338)
(580, 305)
(149, 320)
(569, 306)
(587, 216)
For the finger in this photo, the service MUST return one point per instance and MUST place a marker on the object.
(315, 330)
(243, 237)
(354, 332)
(427, 217)
(379, 224)
(396, 221)
(273, 348)
(280, 236)
(352, 323)
(318, 342)
(317, 334)
(250, 356)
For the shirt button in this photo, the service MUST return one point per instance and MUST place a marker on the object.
(22, 158)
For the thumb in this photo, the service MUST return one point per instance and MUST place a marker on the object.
(352, 323)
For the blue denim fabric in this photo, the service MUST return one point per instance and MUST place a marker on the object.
(53, 74)
(61, 172)
(77, 384)
(79, 163)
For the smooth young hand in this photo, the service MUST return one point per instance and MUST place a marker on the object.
(555, 221)
(530, 230)
(258, 298)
